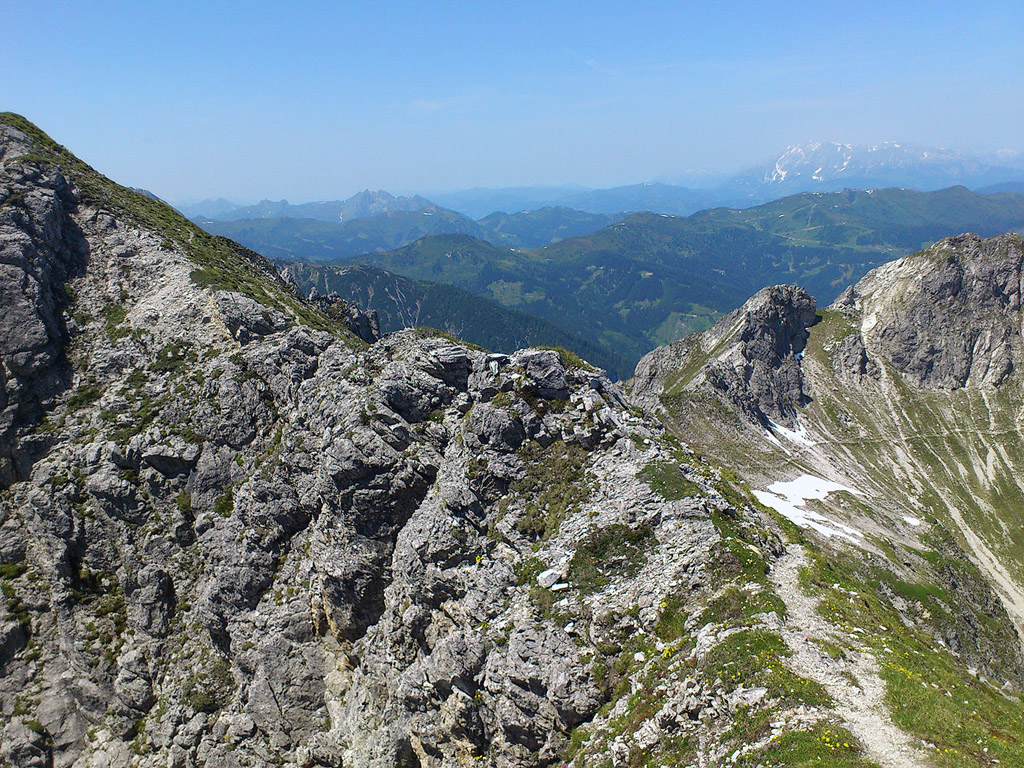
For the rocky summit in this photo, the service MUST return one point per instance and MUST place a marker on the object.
(240, 528)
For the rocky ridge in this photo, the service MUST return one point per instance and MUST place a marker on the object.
(911, 408)
(236, 528)
(239, 529)
(751, 357)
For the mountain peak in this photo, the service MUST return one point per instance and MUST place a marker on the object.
(826, 164)
(750, 357)
(947, 317)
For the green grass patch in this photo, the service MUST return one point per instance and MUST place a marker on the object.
(86, 394)
(736, 606)
(211, 687)
(172, 358)
(224, 504)
(556, 482)
(667, 480)
(617, 550)
(753, 657)
(113, 317)
(817, 747)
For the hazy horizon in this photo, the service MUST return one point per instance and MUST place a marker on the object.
(311, 103)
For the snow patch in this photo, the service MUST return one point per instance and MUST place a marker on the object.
(798, 435)
(911, 520)
(788, 499)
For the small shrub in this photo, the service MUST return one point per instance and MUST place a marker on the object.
(113, 317)
(556, 483)
(224, 504)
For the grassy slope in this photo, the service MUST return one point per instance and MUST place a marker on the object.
(952, 459)
(220, 263)
(905, 592)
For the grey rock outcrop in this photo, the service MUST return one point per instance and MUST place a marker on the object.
(947, 317)
(41, 247)
(241, 529)
(751, 358)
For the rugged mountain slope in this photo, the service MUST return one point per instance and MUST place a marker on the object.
(649, 196)
(890, 423)
(543, 226)
(238, 530)
(232, 532)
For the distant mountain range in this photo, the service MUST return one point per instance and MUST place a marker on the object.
(316, 240)
(360, 206)
(653, 278)
(830, 166)
(810, 167)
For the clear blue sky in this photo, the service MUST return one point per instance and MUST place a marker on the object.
(310, 100)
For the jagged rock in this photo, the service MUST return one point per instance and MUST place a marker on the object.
(751, 357)
(174, 459)
(496, 427)
(947, 317)
(243, 537)
(544, 372)
(364, 325)
(25, 747)
(246, 318)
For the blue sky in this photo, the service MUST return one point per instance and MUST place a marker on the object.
(310, 100)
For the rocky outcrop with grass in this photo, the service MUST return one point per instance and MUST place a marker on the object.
(949, 316)
(239, 528)
(750, 358)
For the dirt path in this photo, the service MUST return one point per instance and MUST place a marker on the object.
(862, 706)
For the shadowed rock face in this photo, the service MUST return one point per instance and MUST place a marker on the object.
(948, 317)
(41, 247)
(762, 374)
(750, 357)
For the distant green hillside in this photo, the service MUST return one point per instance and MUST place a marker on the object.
(316, 240)
(543, 226)
(404, 303)
(653, 278)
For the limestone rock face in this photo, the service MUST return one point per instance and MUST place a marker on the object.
(240, 528)
(948, 317)
(751, 357)
(41, 247)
